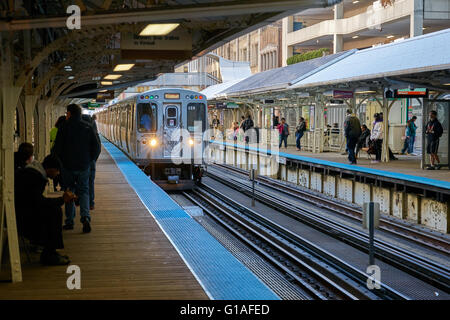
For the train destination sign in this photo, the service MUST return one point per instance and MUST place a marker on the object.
(411, 93)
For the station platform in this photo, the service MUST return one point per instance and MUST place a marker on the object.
(406, 168)
(143, 245)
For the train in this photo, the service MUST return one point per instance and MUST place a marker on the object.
(162, 131)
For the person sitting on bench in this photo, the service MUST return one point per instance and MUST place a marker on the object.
(39, 218)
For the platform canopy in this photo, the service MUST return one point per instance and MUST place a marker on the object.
(109, 34)
(281, 78)
(213, 92)
(420, 61)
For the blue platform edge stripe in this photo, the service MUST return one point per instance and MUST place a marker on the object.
(388, 174)
(220, 274)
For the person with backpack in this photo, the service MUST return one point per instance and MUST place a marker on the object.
(283, 129)
(247, 125)
(410, 136)
(299, 131)
(433, 131)
(352, 131)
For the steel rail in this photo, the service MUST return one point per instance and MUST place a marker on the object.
(423, 269)
(324, 265)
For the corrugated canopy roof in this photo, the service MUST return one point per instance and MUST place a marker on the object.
(429, 52)
(281, 78)
(212, 92)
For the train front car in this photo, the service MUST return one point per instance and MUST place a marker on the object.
(169, 136)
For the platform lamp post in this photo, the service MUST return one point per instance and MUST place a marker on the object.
(371, 220)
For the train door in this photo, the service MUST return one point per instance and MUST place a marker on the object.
(171, 134)
(127, 127)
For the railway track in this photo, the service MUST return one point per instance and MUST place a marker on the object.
(421, 237)
(318, 273)
(409, 262)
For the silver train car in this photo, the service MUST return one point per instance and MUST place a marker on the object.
(162, 131)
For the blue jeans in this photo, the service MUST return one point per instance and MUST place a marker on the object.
(91, 183)
(351, 144)
(283, 138)
(405, 145)
(77, 182)
(298, 136)
(411, 141)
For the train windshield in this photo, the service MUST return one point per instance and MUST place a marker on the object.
(195, 112)
(147, 117)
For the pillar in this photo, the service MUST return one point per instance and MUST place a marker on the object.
(8, 102)
(338, 39)
(30, 103)
(416, 19)
(42, 130)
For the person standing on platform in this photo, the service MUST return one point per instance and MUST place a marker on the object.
(410, 135)
(90, 120)
(76, 146)
(246, 126)
(54, 130)
(283, 129)
(433, 131)
(376, 136)
(363, 140)
(352, 131)
(299, 131)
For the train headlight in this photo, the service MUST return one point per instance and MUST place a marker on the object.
(191, 141)
(153, 142)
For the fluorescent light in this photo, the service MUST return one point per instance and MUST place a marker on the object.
(423, 28)
(367, 91)
(159, 29)
(391, 36)
(112, 76)
(355, 2)
(355, 37)
(70, 77)
(104, 90)
(447, 84)
(124, 67)
(106, 83)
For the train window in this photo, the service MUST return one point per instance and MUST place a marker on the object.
(171, 117)
(171, 112)
(147, 117)
(195, 112)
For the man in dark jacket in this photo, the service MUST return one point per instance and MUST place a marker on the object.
(76, 145)
(87, 118)
(352, 131)
(39, 219)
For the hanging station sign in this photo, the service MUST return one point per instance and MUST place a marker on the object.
(177, 44)
(105, 95)
(411, 93)
(342, 94)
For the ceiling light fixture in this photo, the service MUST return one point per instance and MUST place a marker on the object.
(355, 37)
(112, 76)
(106, 83)
(70, 77)
(355, 2)
(389, 37)
(123, 67)
(159, 29)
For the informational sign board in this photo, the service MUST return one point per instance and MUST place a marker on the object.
(342, 94)
(179, 39)
(93, 106)
(411, 93)
(105, 95)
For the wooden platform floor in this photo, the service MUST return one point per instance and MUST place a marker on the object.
(126, 256)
